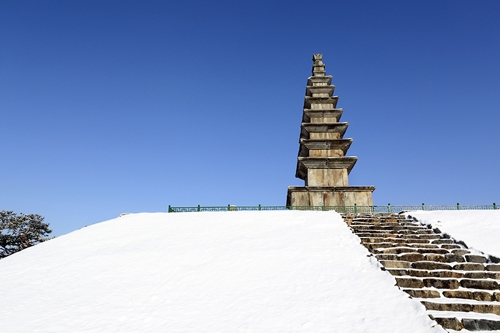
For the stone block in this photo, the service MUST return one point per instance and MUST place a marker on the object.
(387, 257)
(442, 241)
(476, 275)
(460, 252)
(483, 296)
(476, 259)
(430, 265)
(327, 177)
(479, 284)
(469, 267)
(450, 323)
(411, 257)
(480, 324)
(422, 293)
(487, 308)
(442, 283)
(458, 294)
(494, 268)
(454, 258)
(398, 272)
(451, 246)
(409, 283)
(395, 264)
(435, 257)
(398, 250)
(459, 307)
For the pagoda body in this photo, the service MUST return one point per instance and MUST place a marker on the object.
(322, 162)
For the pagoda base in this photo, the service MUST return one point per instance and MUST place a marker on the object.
(330, 196)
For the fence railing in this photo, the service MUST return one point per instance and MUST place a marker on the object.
(341, 209)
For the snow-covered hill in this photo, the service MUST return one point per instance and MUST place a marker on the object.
(478, 229)
(232, 272)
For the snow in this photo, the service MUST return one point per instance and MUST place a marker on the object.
(286, 271)
(479, 229)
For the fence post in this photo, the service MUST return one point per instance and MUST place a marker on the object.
(199, 208)
(458, 206)
(355, 209)
(389, 208)
(494, 206)
(423, 206)
(259, 207)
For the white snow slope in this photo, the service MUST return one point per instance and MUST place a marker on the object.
(232, 272)
(478, 229)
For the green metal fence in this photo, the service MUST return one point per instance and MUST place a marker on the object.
(341, 209)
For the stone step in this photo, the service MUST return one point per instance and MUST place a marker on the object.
(443, 241)
(395, 249)
(395, 264)
(466, 320)
(355, 224)
(416, 256)
(445, 274)
(460, 252)
(438, 283)
(446, 283)
(451, 246)
(493, 268)
(386, 228)
(480, 284)
(471, 306)
(428, 238)
(474, 295)
(430, 265)
(423, 293)
(476, 258)
(459, 289)
(469, 267)
(394, 240)
(397, 233)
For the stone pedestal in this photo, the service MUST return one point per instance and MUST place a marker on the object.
(330, 196)
(321, 161)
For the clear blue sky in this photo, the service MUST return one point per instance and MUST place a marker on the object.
(129, 106)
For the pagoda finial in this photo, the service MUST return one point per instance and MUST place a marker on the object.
(318, 65)
(317, 56)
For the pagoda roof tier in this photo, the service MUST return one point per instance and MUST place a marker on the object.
(314, 113)
(320, 100)
(323, 128)
(304, 163)
(323, 144)
(332, 188)
(310, 90)
(319, 79)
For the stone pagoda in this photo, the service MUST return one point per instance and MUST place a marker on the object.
(322, 163)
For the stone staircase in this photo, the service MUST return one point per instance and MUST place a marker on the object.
(459, 288)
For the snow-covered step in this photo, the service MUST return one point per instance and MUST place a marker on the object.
(445, 273)
(408, 248)
(460, 288)
(395, 240)
(460, 305)
(457, 321)
(473, 295)
(438, 283)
